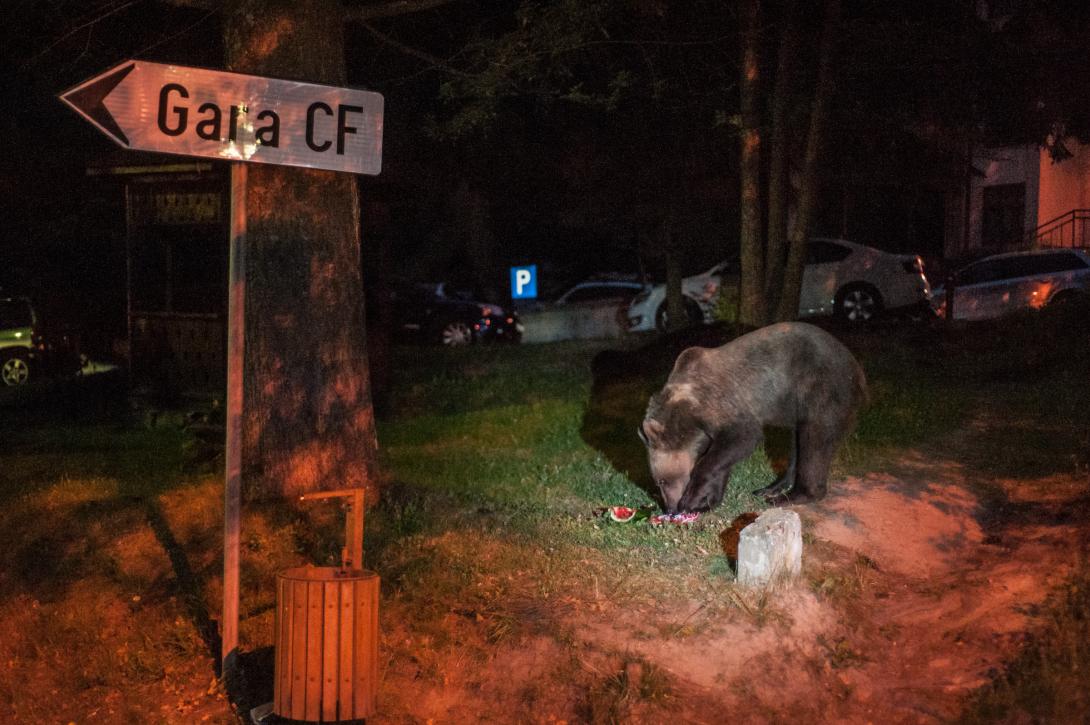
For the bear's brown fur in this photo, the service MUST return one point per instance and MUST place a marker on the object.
(711, 413)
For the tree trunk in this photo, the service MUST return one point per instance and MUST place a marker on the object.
(473, 219)
(751, 295)
(780, 152)
(307, 417)
(676, 318)
(815, 142)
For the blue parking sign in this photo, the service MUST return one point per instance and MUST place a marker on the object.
(524, 282)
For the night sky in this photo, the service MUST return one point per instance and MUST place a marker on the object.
(568, 186)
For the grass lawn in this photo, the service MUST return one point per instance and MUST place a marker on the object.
(486, 534)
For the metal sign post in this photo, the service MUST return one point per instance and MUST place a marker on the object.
(236, 335)
(230, 116)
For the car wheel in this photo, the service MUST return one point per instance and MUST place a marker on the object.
(455, 333)
(693, 314)
(14, 369)
(1066, 299)
(858, 303)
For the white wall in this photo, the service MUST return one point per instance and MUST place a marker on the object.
(995, 166)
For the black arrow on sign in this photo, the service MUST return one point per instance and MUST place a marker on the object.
(87, 99)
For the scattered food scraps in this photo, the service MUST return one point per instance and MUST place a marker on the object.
(624, 514)
(682, 518)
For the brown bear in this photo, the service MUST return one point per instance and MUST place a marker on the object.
(711, 413)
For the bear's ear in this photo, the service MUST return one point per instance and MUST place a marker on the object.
(650, 432)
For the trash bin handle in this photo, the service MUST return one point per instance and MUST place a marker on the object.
(352, 552)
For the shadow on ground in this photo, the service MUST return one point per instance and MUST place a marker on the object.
(79, 399)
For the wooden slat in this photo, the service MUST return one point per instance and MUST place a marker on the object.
(298, 650)
(330, 635)
(372, 689)
(282, 677)
(347, 647)
(365, 644)
(359, 651)
(314, 651)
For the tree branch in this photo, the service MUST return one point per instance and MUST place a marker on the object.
(105, 13)
(414, 52)
(389, 9)
(353, 14)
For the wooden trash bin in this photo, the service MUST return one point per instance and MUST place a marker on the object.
(326, 644)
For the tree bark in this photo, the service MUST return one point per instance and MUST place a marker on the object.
(779, 154)
(810, 182)
(751, 295)
(473, 220)
(676, 318)
(307, 416)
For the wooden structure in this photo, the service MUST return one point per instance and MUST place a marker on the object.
(326, 666)
(176, 219)
(327, 644)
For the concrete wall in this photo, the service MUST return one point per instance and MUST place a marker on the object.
(996, 166)
(571, 322)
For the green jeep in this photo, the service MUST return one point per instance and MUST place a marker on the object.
(31, 350)
(17, 322)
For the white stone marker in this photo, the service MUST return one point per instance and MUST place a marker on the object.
(770, 548)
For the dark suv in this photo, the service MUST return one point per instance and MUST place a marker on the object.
(25, 352)
(441, 313)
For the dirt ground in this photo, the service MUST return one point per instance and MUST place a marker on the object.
(920, 581)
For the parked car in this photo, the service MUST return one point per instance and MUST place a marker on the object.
(648, 309)
(857, 283)
(27, 350)
(442, 313)
(599, 289)
(604, 289)
(592, 309)
(1002, 283)
(612, 292)
(842, 278)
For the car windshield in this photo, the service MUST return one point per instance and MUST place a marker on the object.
(692, 268)
(462, 294)
(15, 313)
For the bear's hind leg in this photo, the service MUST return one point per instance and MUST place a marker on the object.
(786, 480)
(817, 445)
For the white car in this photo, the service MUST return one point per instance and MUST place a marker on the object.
(648, 308)
(993, 286)
(842, 278)
(603, 290)
(857, 282)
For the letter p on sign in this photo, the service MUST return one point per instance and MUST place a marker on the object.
(524, 282)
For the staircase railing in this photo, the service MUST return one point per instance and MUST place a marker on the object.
(1067, 230)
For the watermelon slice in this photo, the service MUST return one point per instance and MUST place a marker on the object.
(624, 514)
(621, 514)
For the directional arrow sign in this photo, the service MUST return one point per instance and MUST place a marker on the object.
(197, 112)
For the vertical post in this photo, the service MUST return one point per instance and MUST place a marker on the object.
(355, 531)
(128, 279)
(236, 303)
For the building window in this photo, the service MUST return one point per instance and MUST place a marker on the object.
(1004, 215)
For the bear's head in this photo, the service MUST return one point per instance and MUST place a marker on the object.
(671, 455)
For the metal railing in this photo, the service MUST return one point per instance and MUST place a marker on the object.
(1071, 230)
